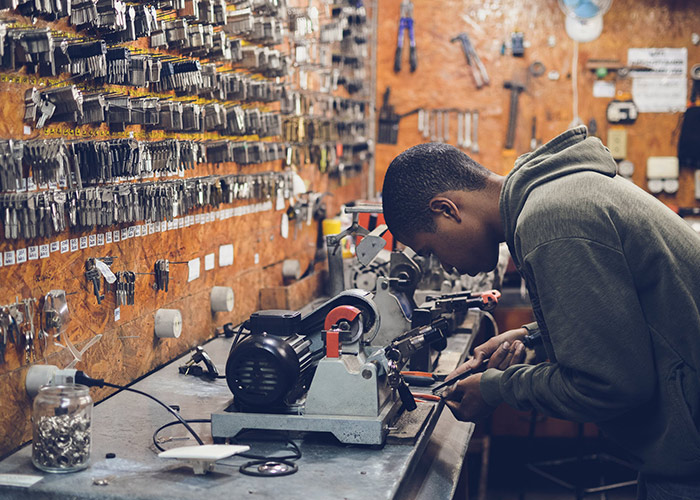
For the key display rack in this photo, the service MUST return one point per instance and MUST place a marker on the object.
(150, 150)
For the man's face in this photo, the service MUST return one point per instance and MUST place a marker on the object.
(466, 246)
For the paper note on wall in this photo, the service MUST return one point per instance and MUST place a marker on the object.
(660, 85)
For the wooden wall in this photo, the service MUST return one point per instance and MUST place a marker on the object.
(128, 348)
(443, 79)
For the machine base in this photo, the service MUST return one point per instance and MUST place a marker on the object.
(346, 428)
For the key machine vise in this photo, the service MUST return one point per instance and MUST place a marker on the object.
(320, 372)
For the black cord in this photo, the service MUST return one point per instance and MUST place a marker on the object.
(81, 378)
(238, 335)
(174, 413)
(175, 422)
(295, 456)
(252, 467)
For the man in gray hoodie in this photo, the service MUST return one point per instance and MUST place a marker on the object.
(614, 280)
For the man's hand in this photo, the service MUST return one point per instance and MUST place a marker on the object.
(503, 350)
(465, 401)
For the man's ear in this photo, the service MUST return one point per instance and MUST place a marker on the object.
(445, 207)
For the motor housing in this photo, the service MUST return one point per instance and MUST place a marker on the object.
(272, 367)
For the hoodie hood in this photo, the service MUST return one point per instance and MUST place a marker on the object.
(569, 153)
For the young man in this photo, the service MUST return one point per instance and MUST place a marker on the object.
(614, 280)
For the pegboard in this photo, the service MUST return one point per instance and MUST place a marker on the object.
(443, 79)
(128, 348)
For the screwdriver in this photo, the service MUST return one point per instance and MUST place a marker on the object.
(530, 342)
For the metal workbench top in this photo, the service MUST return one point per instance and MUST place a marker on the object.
(124, 423)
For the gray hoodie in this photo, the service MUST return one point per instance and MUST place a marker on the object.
(614, 281)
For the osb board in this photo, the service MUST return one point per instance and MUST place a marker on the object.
(128, 348)
(443, 79)
(295, 295)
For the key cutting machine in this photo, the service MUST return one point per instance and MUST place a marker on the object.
(319, 372)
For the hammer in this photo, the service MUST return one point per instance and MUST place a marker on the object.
(515, 89)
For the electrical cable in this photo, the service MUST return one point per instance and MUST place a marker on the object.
(238, 338)
(576, 121)
(170, 424)
(81, 378)
(267, 466)
(276, 465)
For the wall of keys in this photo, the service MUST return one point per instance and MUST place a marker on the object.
(153, 150)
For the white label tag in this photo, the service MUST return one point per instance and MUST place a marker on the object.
(125, 234)
(92, 240)
(106, 271)
(193, 269)
(256, 258)
(74, 244)
(65, 246)
(108, 237)
(44, 251)
(55, 245)
(34, 253)
(209, 261)
(21, 256)
(83, 242)
(100, 239)
(117, 314)
(602, 88)
(225, 255)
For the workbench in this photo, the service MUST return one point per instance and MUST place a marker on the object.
(123, 425)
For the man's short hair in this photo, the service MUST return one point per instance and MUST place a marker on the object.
(416, 176)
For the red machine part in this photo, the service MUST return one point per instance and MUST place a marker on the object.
(331, 326)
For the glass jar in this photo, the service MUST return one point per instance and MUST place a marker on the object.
(61, 420)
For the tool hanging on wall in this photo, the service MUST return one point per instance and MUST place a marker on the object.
(515, 88)
(389, 121)
(509, 153)
(406, 23)
(481, 77)
(517, 44)
(689, 139)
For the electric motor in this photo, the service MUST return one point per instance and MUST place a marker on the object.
(273, 366)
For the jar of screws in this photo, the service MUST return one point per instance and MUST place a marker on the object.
(61, 420)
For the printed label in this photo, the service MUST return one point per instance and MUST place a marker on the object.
(10, 258)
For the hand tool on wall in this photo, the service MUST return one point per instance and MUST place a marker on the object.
(509, 155)
(481, 77)
(406, 23)
(475, 132)
(515, 88)
(388, 132)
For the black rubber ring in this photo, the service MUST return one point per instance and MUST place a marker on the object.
(537, 69)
